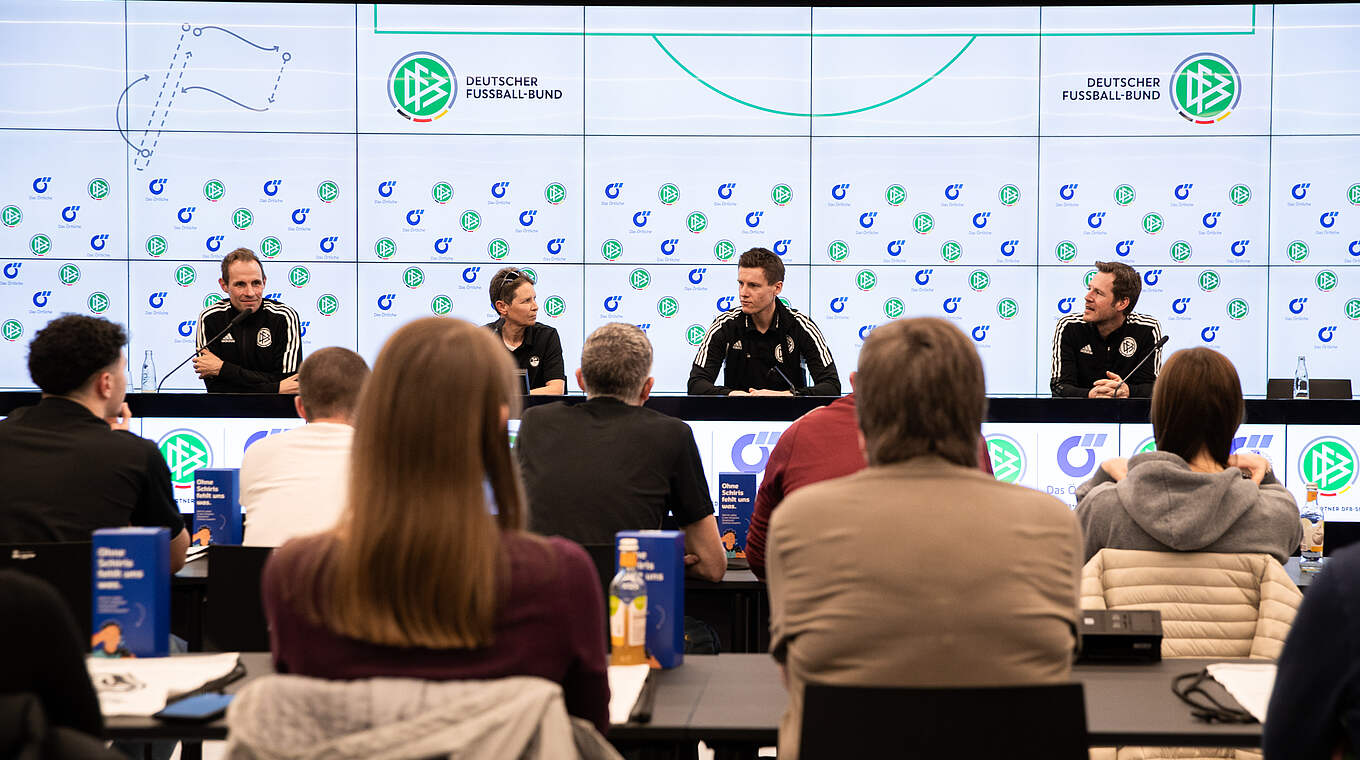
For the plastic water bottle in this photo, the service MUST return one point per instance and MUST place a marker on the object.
(1310, 553)
(628, 609)
(1301, 379)
(148, 373)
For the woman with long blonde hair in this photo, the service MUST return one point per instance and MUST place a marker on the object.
(429, 573)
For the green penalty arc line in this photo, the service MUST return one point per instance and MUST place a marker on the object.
(776, 111)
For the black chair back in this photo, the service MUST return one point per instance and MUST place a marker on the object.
(1047, 721)
(65, 565)
(605, 558)
(1339, 535)
(234, 619)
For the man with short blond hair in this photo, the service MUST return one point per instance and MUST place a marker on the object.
(295, 483)
(575, 492)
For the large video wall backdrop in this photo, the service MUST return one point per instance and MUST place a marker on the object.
(969, 163)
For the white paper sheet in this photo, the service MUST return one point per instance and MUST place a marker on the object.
(1249, 684)
(140, 686)
(625, 683)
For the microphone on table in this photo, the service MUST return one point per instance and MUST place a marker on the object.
(1155, 348)
(236, 320)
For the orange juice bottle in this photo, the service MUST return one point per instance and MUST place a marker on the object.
(628, 609)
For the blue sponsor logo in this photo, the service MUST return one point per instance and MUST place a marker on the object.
(385, 301)
(271, 187)
(866, 220)
(753, 219)
(555, 245)
(155, 186)
(763, 441)
(1296, 305)
(696, 276)
(328, 243)
(668, 246)
(923, 276)
(1354, 248)
(1239, 247)
(1065, 305)
(640, 218)
(499, 189)
(1328, 219)
(611, 303)
(97, 242)
(725, 190)
(1327, 333)
(781, 247)
(412, 216)
(612, 190)
(1094, 219)
(980, 219)
(300, 216)
(526, 217)
(260, 435)
(1209, 334)
(40, 185)
(1250, 442)
(952, 192)
(979, 332)
(838, 304)
(69, 213)
(951, 305)
(1183, 191)
(1300, 191)
(303, 332)
(1008, 247)
(40, 298)
(214, 243)
(186, 214)
(838, 191)
(1087, 442)
(1150, 277)
(470, 274)
(895, 247)
(1210, 220)
(186, 328)
(864, 331)
(441, 245)
(645, 326)
(1123, 248)
(725, 303)
(1180, 305)
(386, 187)
(157, 300)
(12, 270)
(1067, 192)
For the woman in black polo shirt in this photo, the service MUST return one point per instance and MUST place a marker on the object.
(536, 348)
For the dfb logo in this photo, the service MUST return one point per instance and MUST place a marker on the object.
(1325, 334)
(640, 218)
(1150, 277)
(97, 242)
(838, 191)
(40, 298)
(1180, 305)
(186, 328)
(526, 217)
(1094, 219)
(611, 303)
(951, 305)
(69, 213)
(1296, 305)
(1239, 248)
(725, 303)
(980, 219)
(40, 185)
(753, 219)
(1008, 247)
(214, 243)
(441, 245)
(952, 192)
(1209, 333)
(696, 276)
(781, 247)
(1183, 191)
(470, 274)
(157, 300)
(555, 245)
(1210, 220)
(764, 441)
(1123, 248)
(1067, 192)
(155, 186)
(725, 190)
(838, 304)
(1300, 191)
(864, 331)
(979, 332)
(271, 187)
(1328, 220)
(668, 246)
(386, 187)
(1065, 305)
(327, 244)
(413, 216)
(385, 301)
(866, 220)
(300, 216)
(612, 190)
(895, 247)
(923, 276)
(1089, 442)
(186, 214)
(499, 189)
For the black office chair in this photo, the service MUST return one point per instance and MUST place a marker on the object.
(65, 565)
(1332, 388)
(1047, 722)
(235, 619)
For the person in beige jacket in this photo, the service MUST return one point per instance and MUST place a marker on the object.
(920, 570)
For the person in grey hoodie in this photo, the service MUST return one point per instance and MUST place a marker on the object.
(1191, 494)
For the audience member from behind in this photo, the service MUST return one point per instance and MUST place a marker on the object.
(821, 445)
(294, 483)
(1191, 495)
(655, 468)
(69, 465)
(420, 579)
(920, 570)
(1315, 708)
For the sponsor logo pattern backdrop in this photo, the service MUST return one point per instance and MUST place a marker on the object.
(967, 163)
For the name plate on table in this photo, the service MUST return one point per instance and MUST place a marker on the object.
(217, 506)
(131, 592)
(736, 500)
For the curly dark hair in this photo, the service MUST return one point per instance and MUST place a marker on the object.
(70, 349)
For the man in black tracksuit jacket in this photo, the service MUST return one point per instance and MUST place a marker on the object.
(1095, 350)
(262, 353)
(763, 342)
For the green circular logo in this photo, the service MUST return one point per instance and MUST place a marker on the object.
(1326, 280)
(1353, 308)
(270, 247)
(1009, 195)
(554, 306)
(555, 193)
(611, 250)
(951, 251)
(98, 188)
(470, 220)
(1007, 308)
(40, 244)
(1297, 251)
(441, 192)
(923, 223)
(781, 194)
(327, 191)
(214, 190)
(1181, 251)
(839, 250)
(413, 277)
(1238, 308)
(1209, 280)
(865, 279)
(1152, 223)
(1086, 281)
(724, 250)
(184, 451)
(242, 218)
(385, 248)
(1124, 195)
(529, 274)
(211, 299)
(422, 87)
(11, 216)
(894, 308)
(1008, 459)
(978, 280)
(498, 248)
(156, 246)
(667, 307)
(696, 222)
(299, 276)
(185, 275)
(668, 194)
(1353, 194)
(1150, 444)
(69, 274)
(1239, 195)
(98, 302)
(1066, 251)
(694, 334)
(12, 330)
(1330, 462)
(327, 304)
(639, 279)
(1205, 88)
(895, 195)
(441, 305)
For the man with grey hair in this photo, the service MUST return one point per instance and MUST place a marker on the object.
(608, 464)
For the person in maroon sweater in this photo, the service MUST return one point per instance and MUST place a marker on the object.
(425, 577)
(821, 445)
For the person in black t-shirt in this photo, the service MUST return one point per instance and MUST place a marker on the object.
(536, 348)
(609, 464)
(1094, 352)
(69, 465)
